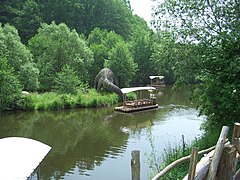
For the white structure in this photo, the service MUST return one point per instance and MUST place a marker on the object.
(19, 157)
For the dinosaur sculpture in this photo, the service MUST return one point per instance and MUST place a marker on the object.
(107, 80)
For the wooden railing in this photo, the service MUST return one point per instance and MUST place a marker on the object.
(219, 162)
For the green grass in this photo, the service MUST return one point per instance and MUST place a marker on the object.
(54, 101)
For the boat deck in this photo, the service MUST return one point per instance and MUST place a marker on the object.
(137, 105)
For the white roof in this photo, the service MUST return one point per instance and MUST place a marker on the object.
(19, 157)
(132, 89)
(153, 77)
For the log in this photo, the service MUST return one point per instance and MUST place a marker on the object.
(217, 154)
(226, 168)
(135, 165)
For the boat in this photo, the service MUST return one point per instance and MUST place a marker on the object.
(157, 81)
(140, 103)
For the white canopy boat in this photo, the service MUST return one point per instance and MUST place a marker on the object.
(138, 104)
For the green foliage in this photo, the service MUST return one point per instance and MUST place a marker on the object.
(28, 19)
(122, 64)
(178, 62)
(10, 88)
(218, 93)
(18, 57)
(211, 30)
(141, 46)
(55, 46)
(66, 81)
(112, 51)
(85, 15)
(29, 74)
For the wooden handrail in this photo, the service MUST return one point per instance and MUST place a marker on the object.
(178, 162)
(182, 160)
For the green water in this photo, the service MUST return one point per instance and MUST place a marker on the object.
(97, 143)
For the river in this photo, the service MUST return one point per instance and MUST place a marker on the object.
(93, 144)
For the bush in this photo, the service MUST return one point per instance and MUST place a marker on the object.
(66, 81)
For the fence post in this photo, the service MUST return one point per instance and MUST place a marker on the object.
(217, 154)
(226, 166)
(135, 165)
(235, 136)
(193, 163)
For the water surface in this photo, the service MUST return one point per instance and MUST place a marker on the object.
(97, 143)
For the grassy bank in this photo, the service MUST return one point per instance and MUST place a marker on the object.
(53, 101)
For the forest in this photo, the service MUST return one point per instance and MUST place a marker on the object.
(52, 46)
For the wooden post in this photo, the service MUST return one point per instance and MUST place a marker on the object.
(217, 154)
(235, 142)
(135, 164)
(226, 168)
(236, 132)
(193, 162)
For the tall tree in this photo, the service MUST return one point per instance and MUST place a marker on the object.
(55, 46)
(110, 49)
(18, 57)
(120, 61)
(85, 15)
(214, 26)
(28, 20)
(10, 88)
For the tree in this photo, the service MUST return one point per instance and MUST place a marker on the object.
(66, 81)
(28, 20)
(55, 46)
(18, 57)
(214, 27)
(102, 43)
(141, 46)
(120, 61)
(85, 15)
(175, 60)
(10, 88)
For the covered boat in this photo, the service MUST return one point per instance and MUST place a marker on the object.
(140, 103)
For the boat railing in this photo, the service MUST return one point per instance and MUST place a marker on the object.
(138, 103)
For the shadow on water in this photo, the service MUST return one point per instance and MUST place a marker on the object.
(84, 139)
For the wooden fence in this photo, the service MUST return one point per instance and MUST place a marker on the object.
(218, 163)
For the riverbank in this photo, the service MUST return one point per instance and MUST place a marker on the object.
(53, 101)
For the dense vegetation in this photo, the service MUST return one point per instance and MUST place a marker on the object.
(58, 47)
(47, 46)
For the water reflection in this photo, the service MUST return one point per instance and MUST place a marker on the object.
(91, 142)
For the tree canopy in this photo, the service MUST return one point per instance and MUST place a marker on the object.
(55, 46)
(18, 57)
(210, 27)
